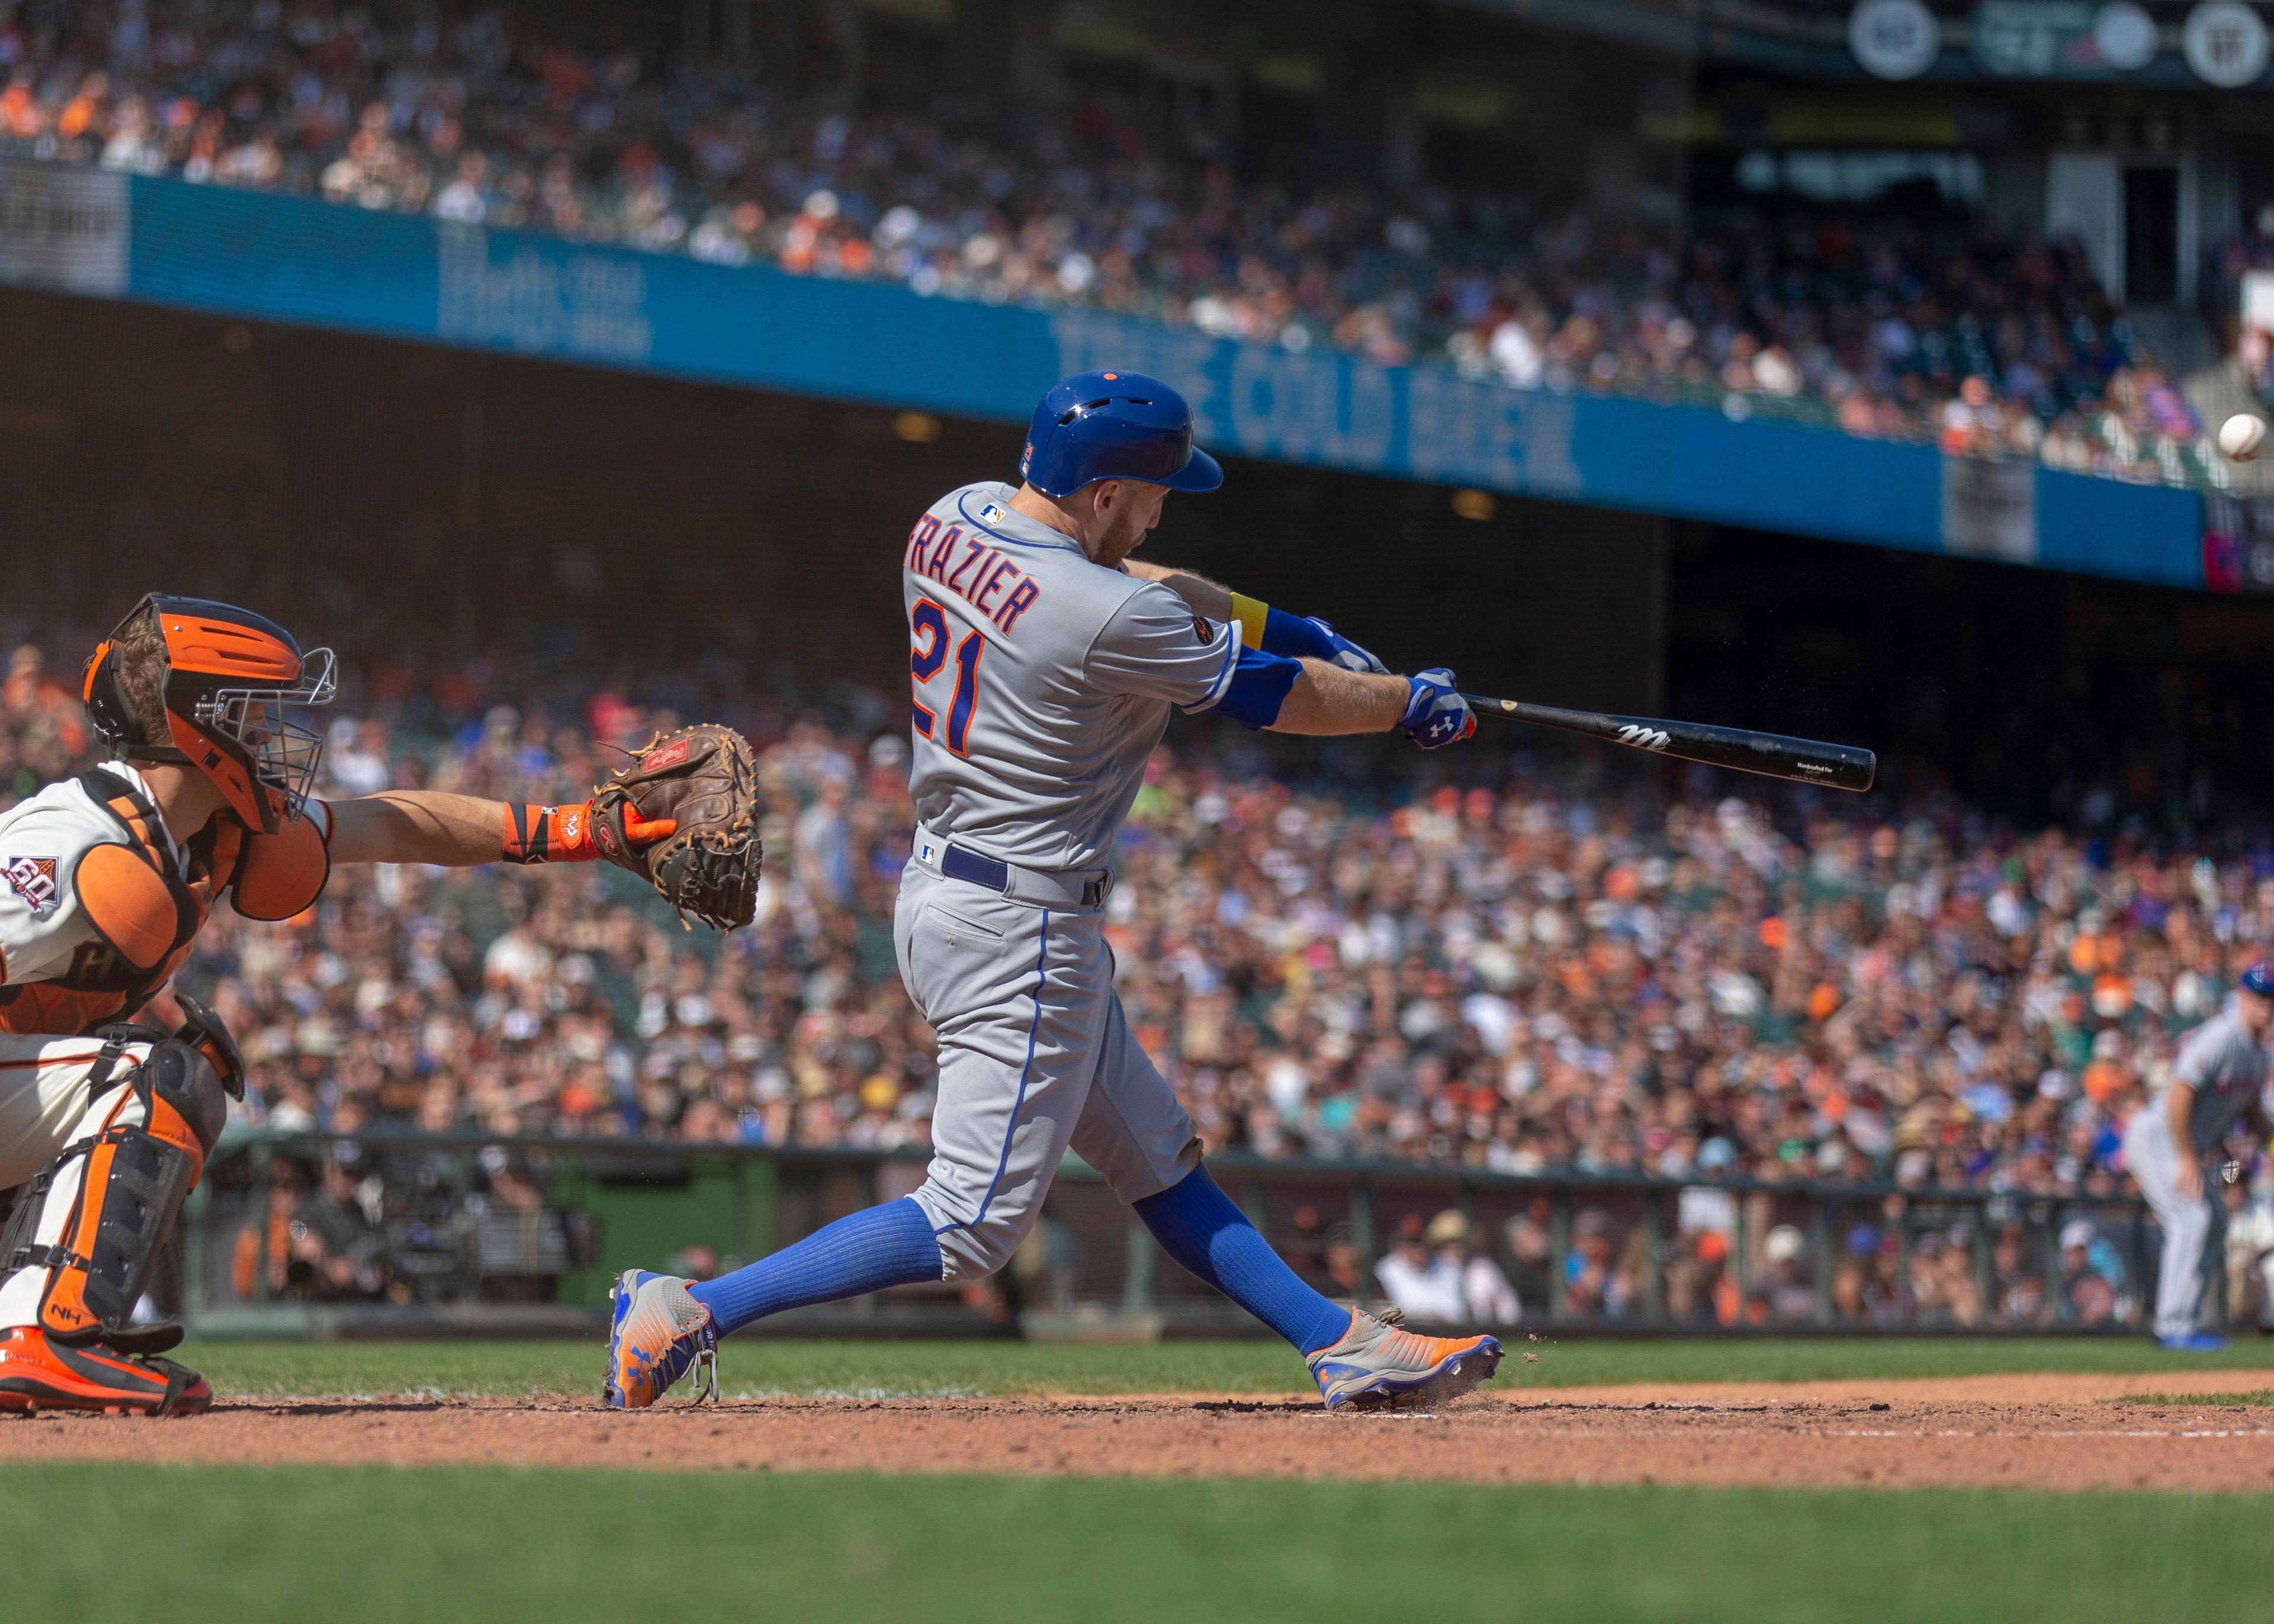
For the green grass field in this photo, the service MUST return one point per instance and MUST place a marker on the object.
(757, 1368)
(247, 1544)
(2261, 1398)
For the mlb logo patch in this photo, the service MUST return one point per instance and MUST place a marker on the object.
(993, 512)
(33, 879)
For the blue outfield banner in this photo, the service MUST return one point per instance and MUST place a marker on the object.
(294, 259)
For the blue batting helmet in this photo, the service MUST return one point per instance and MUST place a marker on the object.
(1114, 425)
(2259, 979)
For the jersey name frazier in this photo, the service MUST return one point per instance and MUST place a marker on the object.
(978, 574)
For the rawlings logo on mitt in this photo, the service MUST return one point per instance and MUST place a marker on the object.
(683, 816)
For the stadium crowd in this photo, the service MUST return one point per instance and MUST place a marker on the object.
(1526, 974)
(1531, 972)
(1883, 323)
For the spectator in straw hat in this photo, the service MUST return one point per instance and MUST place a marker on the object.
(1485, 1290)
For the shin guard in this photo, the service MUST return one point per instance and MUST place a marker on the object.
(87, 1230)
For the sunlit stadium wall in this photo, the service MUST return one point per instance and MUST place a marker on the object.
(291, 260)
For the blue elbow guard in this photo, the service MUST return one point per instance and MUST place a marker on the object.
(1259, 686)
(1294, 636)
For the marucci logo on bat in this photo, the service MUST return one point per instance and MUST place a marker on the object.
(1804, 761)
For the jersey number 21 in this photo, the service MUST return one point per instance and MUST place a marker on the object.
(928, 621)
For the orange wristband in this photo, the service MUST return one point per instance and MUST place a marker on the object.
(549, 834)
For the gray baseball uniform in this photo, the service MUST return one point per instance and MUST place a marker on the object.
(2226, 1068)
(1041, 683)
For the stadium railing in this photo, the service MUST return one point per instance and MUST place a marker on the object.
(505, 1235)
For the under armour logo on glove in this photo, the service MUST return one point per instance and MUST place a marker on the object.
(1435, 714)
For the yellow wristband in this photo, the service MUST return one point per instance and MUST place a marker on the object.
(1250, 615)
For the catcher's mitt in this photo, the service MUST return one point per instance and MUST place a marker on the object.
(703, 783)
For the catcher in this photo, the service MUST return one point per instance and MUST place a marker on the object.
(112, 1084)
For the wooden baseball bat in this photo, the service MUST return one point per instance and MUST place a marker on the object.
(1804, 761)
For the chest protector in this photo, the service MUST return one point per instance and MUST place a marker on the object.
(143, 915)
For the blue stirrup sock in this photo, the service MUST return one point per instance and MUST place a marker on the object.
(1197, 1224)
(867, 1251)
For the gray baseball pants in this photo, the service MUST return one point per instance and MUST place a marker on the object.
(1036, 1056)
(2194, 1231)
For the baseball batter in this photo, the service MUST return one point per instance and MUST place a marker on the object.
(1044, 661)
(2219, 1080)
(105, 881)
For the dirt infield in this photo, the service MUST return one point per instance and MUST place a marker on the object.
(2039, 1431)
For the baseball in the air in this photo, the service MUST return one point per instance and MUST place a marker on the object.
(2243, 436)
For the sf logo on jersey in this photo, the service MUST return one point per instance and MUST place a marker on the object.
(33, 879)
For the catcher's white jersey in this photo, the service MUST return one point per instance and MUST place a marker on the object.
(1043, 681)
(99, 903)
(44, 922)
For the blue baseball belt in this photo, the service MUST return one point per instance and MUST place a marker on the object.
(1063, 888)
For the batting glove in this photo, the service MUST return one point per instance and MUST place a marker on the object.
(1435, 714)
(1347, 654)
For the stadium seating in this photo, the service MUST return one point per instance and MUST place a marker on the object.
(1523, 975)
(1890, 324)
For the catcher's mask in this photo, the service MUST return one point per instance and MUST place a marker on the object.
(233, 678)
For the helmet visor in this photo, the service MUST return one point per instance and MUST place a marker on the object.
(1199, 472)
(286, 752)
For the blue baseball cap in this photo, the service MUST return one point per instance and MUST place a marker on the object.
(2259, 979)
(1114, 425)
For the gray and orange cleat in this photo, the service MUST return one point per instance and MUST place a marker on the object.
(1376, 1364)
(38, 1373)
(655, 1331)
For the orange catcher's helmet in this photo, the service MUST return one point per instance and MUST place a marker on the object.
(233, 680)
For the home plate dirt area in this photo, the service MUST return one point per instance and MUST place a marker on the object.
(2058, 1432)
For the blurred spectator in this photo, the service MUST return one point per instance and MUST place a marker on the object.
(320, 1246)
(2241, 383)
(1434, 1274)
(698, 1261)
(1592, 1285)
(1858, 1296)
(2249, 1258)
(2019, 1284)
(1422, 1274)
(2091, 1277)
(1491, 1299)
(1531, 1257)
(1344, 1282)
(1789, 1293)
(42, 727)
(1699, 1290)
